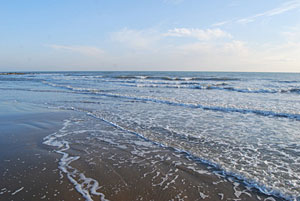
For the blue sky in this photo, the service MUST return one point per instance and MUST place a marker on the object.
(232, 35)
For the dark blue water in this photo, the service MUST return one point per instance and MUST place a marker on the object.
(248, 124)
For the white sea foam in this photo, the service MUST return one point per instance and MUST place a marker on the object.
(270, 113)
(17, 191)
(251, 184)
(87, 187)
(237, 121)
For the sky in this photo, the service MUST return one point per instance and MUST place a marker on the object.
(151, 35)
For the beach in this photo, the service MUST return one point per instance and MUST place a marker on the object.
(28, 168)
(166, 100)
(90, 137)
(130, 168)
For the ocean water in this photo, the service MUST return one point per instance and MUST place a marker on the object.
(245, 124)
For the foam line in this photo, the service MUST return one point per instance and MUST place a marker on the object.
(198, 86)
(189, 105)
(88, 188)
(211, 108)
(14, 193)
(218, 169)
(215, 167)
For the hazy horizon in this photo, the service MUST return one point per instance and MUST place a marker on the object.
(160, 35)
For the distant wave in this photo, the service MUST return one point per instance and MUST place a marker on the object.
(189, 105)
(286, 81)
(20, 79)
(35, 90)
(178, 78)
(211, 108)
(221, 86)
(130, 77)
(177, 86)
(293, 90)
(68, 87)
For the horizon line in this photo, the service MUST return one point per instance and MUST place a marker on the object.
(53, 71)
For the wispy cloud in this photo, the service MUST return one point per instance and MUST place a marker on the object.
(283, 8)
(200, 34)
(154, 50)
(221, 23)
(86, 50)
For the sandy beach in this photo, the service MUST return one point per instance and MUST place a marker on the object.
(164, 100)
(28, 168)
(126, 166)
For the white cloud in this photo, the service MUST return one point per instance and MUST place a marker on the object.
(200, 34)
(291, 5)
(285, 7)
(230, 55)
(221, 23)
(151, 49)
(86, 50)
(138, 39)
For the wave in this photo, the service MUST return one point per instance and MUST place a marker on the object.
(182, 83)
(68, 87)
(293, 90)
(210, 108)
(189, 105)
(20, 79)
(154, 82)
(249, 90)
(215, 87)
(177, 78)
(287, 81)
(130, 77)
(215, 168)
(35, 90)
(176, 86)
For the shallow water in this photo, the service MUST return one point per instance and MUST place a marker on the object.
(246, 124)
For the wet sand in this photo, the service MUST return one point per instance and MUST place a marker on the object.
(126, 166)
(28, 169)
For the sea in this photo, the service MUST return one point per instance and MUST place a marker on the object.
(246, 125)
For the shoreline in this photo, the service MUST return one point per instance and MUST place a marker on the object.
(28, 169)
(126, 166)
